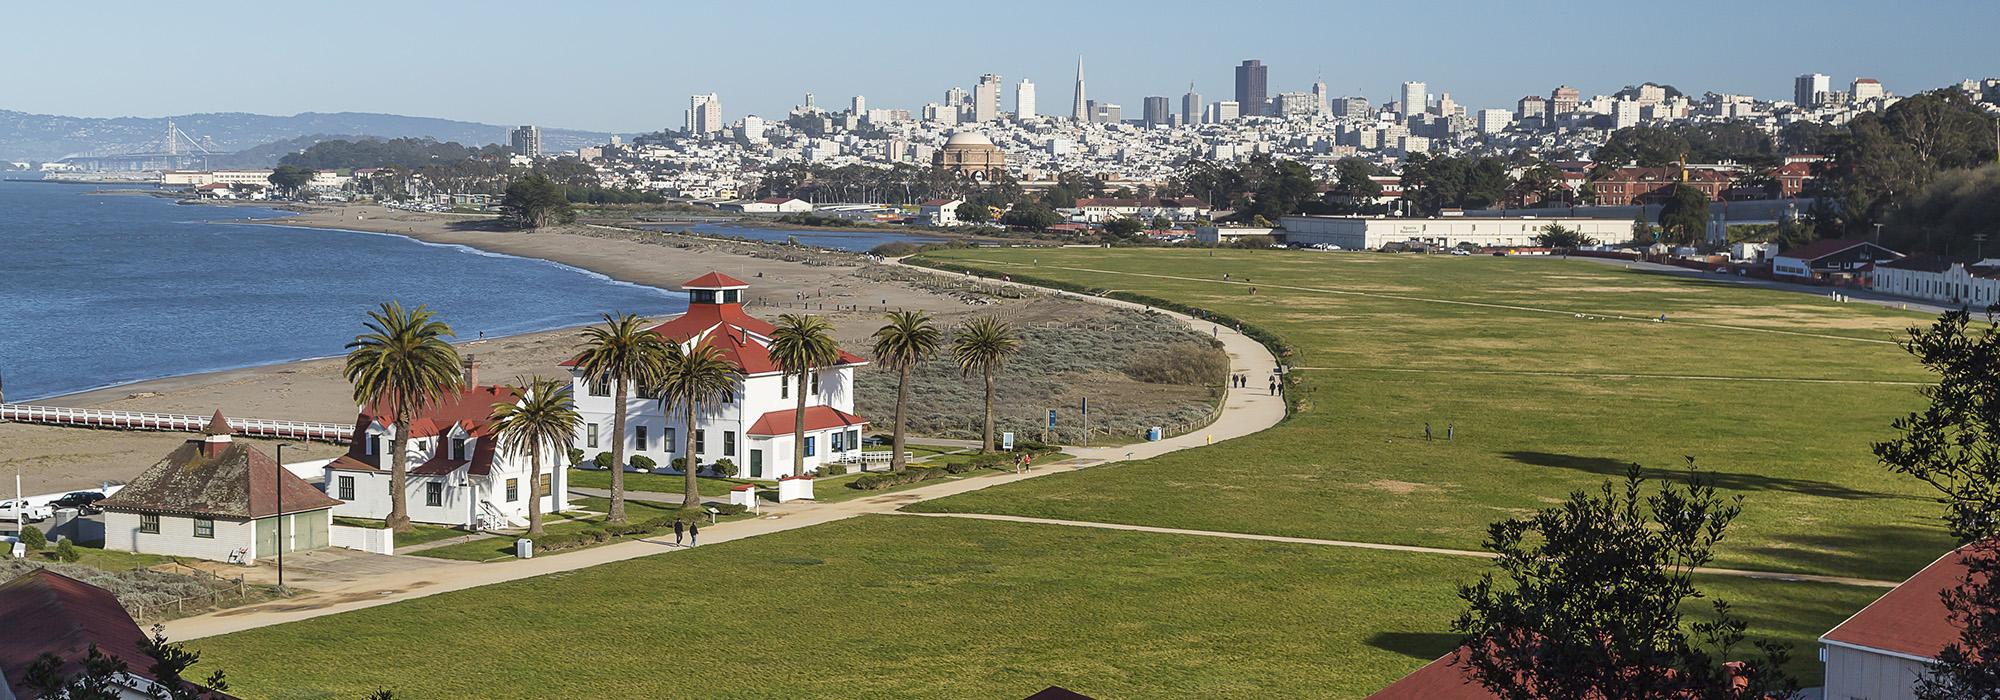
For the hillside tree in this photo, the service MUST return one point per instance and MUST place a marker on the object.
(534, 201)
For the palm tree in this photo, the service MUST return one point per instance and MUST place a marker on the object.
(801, 345)
(691, 378)
(623, 353)
(545, 415)
(907, 340)
(982, 345)
(402, 364)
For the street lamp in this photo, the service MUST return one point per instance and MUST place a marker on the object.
(278, 485)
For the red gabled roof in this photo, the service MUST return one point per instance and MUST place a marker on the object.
(817, 418)
(1909, 620)
(48, 613)
(471, 407)
(742, 338)
(713, 280)
(1443, 679)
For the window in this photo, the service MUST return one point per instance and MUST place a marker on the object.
(839, 439)
(602, 386)
(810, 447)
(815, 383)
(785, 387)
(457, 448)
(590, 435)
(347, 488)
(368, 445)
(700, 441)
(671, 445)
(433, 494)
(728, 443)
(513, 490)
(639, 440)
(204, 528)
(542, 488)
(854, 439)
(149, 523)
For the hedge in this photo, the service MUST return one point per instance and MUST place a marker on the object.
(650, 526)
(877, 482)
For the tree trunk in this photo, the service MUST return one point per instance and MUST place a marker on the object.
(799, 430)
(986, 445)
(690, 489)
(399, 505)
(902, 396)
(617, 514)
(535, 489)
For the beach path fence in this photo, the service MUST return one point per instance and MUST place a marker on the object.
(173, 422)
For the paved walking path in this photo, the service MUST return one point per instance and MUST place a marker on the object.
(1766, 575)
(1615, 375)
(1245, 411)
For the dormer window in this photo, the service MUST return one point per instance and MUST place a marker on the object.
(601, 386)
(457, 448)
(368, 445)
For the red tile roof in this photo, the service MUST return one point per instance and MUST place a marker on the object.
(817, 418)
(1909, 620)
(471, 408)
(1438, 680)
(45, 612)
(743, 339)
(1828, 246)
(713, 280)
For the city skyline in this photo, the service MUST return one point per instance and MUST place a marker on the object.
(642, 84)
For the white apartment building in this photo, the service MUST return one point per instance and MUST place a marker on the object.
(752, 424)
(1368, 233)
(1415, 98)
(1024, 100)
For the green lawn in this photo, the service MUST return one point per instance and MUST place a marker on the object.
(710, 487)
(419, 532)
(1387, 343)
(501, 547)
(893, 606)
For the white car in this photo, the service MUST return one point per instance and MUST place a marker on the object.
(35, 513)
(1460, 251)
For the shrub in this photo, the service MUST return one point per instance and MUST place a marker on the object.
(990, 459)
(603, 460)
(832, 469)
(32, 538)
(575, 456)
(876, 482)
(724, 467)
(1031, 445)
(644, 463)
(679, 464)
(727, 508)
(66, 551)
(960, 467)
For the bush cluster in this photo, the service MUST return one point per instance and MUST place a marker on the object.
(877, 482)
(832, 469)
(643, 528)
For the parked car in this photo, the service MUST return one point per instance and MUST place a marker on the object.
(9, 510)
(1460, 251)
(83, 501)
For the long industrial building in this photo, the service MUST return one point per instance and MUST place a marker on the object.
(1368, 233)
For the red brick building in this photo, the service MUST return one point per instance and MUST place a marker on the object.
(1631, 186)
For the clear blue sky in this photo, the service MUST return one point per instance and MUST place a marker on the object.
(629, 66)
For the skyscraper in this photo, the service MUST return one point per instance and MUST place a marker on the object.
(1024, 100)
(1319, 96)
(1415, 98)
(526, 141)
(1563, 100)
(859, 107)
(704, 115)
(986, 99)
(1080, 110)
(1225, 111)
(1251, 78)
(1806, 89)
(1158, 113)
(1191, 106)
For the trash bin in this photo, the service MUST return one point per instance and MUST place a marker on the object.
(524, 548)
(1153, 434)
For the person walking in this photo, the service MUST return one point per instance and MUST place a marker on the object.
(679, 528)
(1027, 461)
(1274, 386)
(694, 534)
(1427, 430)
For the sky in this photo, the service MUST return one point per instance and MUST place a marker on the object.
(629, 67)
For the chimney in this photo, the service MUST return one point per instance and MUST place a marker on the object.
(215, 437)
(471, 371)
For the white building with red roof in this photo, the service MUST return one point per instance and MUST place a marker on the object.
(458, 474)
(752, 424)
(1882, 651)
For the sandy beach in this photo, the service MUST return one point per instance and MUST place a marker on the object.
(52, 459)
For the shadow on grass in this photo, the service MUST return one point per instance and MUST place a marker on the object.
(481, 224)
(1417, 645)
(1727, 481)
(1890, 552)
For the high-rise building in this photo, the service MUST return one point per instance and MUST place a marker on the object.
(1493, 121)
(986, 99)
(1319, 97)
(1158, 112)
(1531, 107)
(1414, 99)
(1624, 113)
(1446, 107)
(956, 96)
(1225, 111)
(704, 115)
(1293, 104)
(1806, 89)
(1350, 107)
(1563, 100)
(1865, 89)
(1650, 94)
(1251, 78)
(1024, 100)
(1106, 113)
(1191, 106)
(859, 107)
(1080, 110)
(526, 141)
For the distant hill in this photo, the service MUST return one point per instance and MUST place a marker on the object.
(43, 137)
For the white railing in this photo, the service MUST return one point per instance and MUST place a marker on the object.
(146, 420)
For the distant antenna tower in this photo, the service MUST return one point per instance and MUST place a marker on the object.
(173, 144)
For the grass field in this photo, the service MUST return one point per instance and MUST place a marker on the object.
(1494, 349)
(500, 547)
(897, 606)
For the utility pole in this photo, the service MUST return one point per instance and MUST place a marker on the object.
(278, 485)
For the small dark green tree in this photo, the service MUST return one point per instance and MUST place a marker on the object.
(535, 201)
(170, 661)
(1124, 227)
(974, 212)
(1591, 603)
(32, 538)
(1555, 235)
(66, 551)
(289, 179)
(1033, 216)
(99, 678)
(1684, 216)
(1954, 446)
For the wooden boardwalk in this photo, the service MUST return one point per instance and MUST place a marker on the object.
(174, 422)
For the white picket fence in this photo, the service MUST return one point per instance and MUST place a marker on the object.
(144, 420)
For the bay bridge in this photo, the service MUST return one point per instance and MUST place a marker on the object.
(176, 150)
